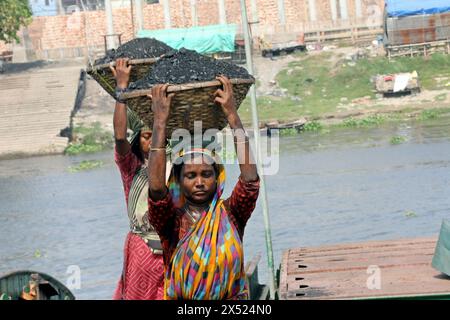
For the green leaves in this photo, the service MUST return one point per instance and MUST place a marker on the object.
(13, 15)
(89, 139)
(397, 140)
(86, 165)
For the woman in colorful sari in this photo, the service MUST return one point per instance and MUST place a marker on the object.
(201, 234)
(142, 274)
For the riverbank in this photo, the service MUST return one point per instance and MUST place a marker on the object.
(337, 84)
(325, 89)
(36, 107)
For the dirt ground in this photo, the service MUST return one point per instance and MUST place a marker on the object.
(267, 70)
(98, 106)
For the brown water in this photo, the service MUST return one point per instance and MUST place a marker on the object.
(350, 185)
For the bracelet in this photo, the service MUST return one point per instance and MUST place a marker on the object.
(117, 94)
(157, 149)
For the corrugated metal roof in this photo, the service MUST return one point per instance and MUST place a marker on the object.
(402, 8)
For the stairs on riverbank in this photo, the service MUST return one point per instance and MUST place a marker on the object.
(35, 106)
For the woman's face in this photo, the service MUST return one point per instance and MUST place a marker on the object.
(198, 181)
(145, 142)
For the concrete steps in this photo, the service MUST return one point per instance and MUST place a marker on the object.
(34, 106)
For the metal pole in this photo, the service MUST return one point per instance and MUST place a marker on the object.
(281, 12)
(133, 30)
(333, 10)
(255, 122)
(312, 10)
(254, 6)
(109, 25)
(139, 18)
(343, 9)
(60, 7)
(222, 12)
(194, 13)
(167, 20)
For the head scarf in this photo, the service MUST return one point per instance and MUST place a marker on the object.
(135, 125)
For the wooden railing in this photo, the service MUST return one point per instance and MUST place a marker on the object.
(353, 33)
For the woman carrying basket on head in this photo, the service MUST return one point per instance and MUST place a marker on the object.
(142, 275)
(201, 234)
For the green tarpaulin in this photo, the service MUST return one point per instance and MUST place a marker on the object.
(205, 40)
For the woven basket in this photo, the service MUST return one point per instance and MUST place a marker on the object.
(103, 75)
(192, 102)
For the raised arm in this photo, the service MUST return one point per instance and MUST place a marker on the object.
(157, 157)
(122, 74)
(226, 100)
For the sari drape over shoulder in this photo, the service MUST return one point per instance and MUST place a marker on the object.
(204, 259)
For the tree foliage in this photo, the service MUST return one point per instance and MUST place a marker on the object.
(13, 15)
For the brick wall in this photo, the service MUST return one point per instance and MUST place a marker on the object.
(4, 47)
(86, 29)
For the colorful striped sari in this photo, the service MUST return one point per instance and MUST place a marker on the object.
(208, 262)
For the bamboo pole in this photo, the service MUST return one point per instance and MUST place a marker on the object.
(184, 87)
(255, 121)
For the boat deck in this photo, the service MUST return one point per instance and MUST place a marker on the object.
(370, 270)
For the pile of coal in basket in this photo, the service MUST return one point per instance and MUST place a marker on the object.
(186, 66)
(139, 48)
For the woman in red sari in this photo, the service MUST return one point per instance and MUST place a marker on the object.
(142, 276)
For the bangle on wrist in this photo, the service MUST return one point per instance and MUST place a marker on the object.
(117, 94)
(157, 149)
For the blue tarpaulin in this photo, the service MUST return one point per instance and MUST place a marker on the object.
(205, 40)
(404, 8)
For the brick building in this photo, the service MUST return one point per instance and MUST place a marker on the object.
(73, 34)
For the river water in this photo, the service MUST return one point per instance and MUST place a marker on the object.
(346, 186)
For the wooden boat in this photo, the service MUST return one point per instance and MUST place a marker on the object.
(398, 269)
(32, 285)
(298, 125)
(256, 290)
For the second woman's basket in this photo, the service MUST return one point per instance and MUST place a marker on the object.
(103, 75)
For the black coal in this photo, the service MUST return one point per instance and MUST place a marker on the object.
(186, 66)
(139, 48)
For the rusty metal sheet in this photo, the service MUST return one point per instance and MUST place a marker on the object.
(345, 271)
(418, 29)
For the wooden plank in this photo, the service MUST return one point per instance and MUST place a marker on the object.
(342, 252)
(352, 284)
(349, 263)
(361, 254)
(385, 245)
(343, 271)
(282, 289)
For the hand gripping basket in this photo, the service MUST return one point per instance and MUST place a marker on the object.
(103, 75)
(192, 102)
